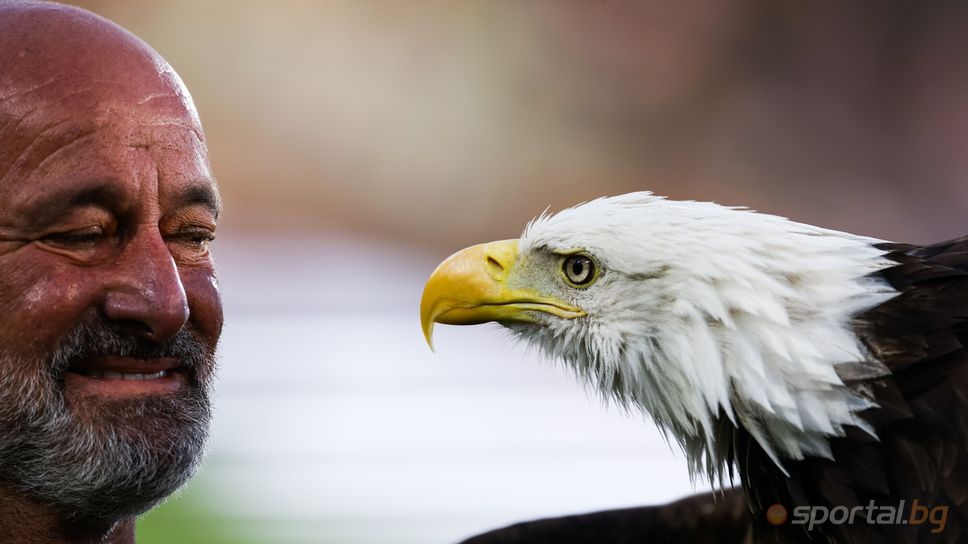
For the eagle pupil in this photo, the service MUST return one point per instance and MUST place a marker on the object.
(579, 269)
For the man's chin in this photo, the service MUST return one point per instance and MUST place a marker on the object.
(110, 456)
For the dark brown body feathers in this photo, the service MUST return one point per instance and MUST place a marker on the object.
(922, 419)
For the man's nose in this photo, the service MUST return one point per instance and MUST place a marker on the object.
(147, 295)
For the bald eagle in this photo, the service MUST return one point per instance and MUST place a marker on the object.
(828, 371)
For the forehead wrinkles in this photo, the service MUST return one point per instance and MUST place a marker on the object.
(49, 131)
(20, 154)
(99, 101)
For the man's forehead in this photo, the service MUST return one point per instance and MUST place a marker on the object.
(123, 144)
(170, 153)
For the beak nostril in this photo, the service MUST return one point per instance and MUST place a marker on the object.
(499, 258)
(494, 268)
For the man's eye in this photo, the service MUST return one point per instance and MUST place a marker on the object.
(81, 238)
(198, 240)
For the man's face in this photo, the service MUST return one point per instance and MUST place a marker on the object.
(109, 308)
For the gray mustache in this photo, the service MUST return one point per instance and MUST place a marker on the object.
(98, 339)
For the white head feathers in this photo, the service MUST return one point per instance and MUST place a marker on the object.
(707, 316)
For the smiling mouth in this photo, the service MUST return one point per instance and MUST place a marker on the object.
(125, 376)
(129, 376)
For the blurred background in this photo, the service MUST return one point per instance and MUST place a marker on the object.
(359, 142)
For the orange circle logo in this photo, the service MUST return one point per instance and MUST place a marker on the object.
(776, 514)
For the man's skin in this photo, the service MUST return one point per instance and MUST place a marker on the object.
(107, 205)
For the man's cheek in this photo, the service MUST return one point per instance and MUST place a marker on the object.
(38, 309)
(204, 302)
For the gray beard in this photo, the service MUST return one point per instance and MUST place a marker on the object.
(106, 460)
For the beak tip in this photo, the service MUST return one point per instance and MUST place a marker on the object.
(428, 330)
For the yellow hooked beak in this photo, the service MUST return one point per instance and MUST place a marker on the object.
(470, 288)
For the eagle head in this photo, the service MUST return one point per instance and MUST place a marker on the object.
(708, 318)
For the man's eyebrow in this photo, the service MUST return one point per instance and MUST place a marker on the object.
(96, 193)
(200, 194)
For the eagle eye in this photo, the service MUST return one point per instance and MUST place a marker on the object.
(579, 270)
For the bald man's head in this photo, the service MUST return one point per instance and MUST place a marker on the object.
(109, 308)
(46, 47)
(61, 64)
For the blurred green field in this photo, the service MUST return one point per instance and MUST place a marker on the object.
(190, 518)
